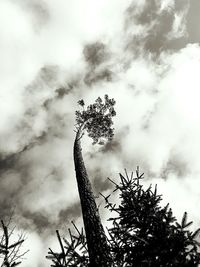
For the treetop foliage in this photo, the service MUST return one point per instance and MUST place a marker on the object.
(96, 119)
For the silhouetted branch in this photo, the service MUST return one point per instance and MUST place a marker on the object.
(10, 252)
(73, 253)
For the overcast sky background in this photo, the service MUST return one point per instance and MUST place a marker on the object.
(146, 55)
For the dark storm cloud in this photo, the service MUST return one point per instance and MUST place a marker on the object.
(14, 175)
(95, 76)
(112, 147)
(193, 21)
(71, 213)
(145, 16)
(48, 89)
(8, 161)
(15, 182)
(157, 26)
(176, 166)
(95, 53)
(62, 91)
(180, 4)
(100, 182)
(49, 77)
(37, 221)
(12, 161)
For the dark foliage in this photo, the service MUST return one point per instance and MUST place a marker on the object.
(10, 252)
(96, 119)
(144, 234)
(147, 234)
(74, 252)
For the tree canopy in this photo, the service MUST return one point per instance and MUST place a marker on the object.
(96, 119)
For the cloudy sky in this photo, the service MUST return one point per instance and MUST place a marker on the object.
(146, 55)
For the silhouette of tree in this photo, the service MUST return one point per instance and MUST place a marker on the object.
(96, 120)
(74, 251)
(143, 233)
(146, 234)
(10, 252)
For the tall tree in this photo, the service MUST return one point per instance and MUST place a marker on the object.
(96, 120)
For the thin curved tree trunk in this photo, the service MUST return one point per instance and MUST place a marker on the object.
(96, 239)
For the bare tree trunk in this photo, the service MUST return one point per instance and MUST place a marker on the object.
(96, 239)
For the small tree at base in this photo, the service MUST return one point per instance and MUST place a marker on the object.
(146, 234)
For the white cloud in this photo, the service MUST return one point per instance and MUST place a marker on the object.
(36, 253)
(157, 104)
(178, 27)
(166, 5)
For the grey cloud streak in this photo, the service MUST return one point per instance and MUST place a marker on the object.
(156, 23)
